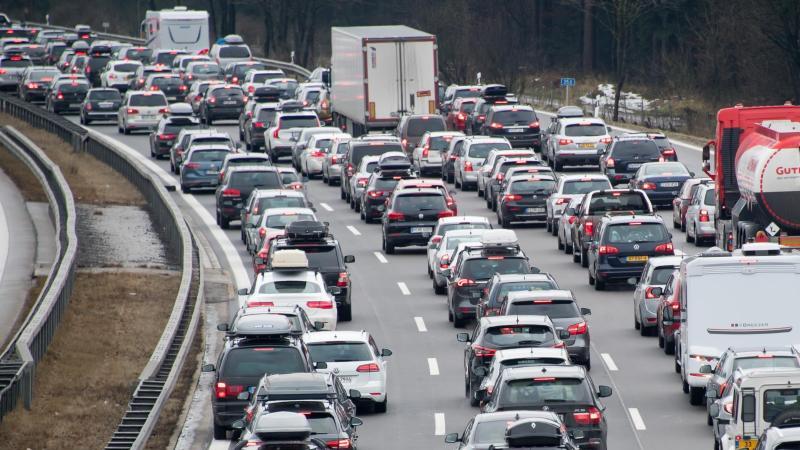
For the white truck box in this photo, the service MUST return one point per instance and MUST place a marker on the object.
(176, 29)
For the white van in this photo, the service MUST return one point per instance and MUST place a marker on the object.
(177, 28)
(744, 298)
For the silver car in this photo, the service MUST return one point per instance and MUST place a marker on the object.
(700, 215)
(282, 134)
(575, 141)
(302, 141)
(472, 157)
(491, 159)
(11, 68)
(332, 164)
(648, 291)
(568, 187)
(449, 157)
(360, 179)
(315, 153)
(565, 223)
(427, 156)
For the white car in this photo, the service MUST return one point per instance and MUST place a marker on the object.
(522, 357)
(141, 110)
(488, 166)
(570, 186)
(444, 252)
(275, 220)
(700, 225)
(427, 157)
(290, 282)
(278, 137)
(313, 156)
(256, 78)
(118, 74)
(231, 49)
(446, 224)
(356, 360)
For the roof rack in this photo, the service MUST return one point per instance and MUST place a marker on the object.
(307, 231)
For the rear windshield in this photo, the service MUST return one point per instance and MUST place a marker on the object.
(165, 58)
(279, 221)
(482, 150)
(537, 391)
(229, 92)
(467, 93)
(467, 107)
(485, 268)
(209, 155)
(280, 202)
(247, 160)
(96, 62)
(16, 63)
(262, 77)
(321, 423)
(385, 184)
(323, 257)
(126, 67)
(139, 53)
(323, 144)
(73, 87)
(517, 286)
(533, 187)
(633, 149)
(554, 309)
(631, 234)
(373, 149)
(452, 242)
(234, 51)
(519, 117)
(289, 287)
(105, 95)
(289, 177)
(206, 69)
(519, 335)
(175, 128)
(371, 166)
(34, 50)
(577, 130)
(490, 432)
(461, 226)
(778, 400)
(760, 363)
(148, 100)
(43, 75)
(661, 274)
(266, 115)
(288, 86)
(299, 122)
(339, 351)
(618, 201)
(211, 140)
(341, 149)
(260, 179)
(418, 127)
(584, 186)
(412, 204)
(666, 169)
(260, 361)
(166, 81)
(709, 198)
(439, 143)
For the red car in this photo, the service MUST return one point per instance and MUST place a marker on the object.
(457, 117)
(669, 314)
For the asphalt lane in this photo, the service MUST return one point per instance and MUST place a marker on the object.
(647, 411)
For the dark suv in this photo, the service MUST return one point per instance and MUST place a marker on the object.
(67, 96)
(411, 215)
(236, 186)
(524, 199)
(380, 186)
(622, 246)
(499, 286)
(257, 346)
(411, 128)
(625, 154)
(222, 102)
(517, 123)
(100, 104)
(325, 255)
(357, 149)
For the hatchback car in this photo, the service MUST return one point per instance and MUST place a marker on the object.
(100, 104)
(410, 217)
(278, 137)
(200, 167)
(427, 156)
(496, 180)
(575, 141)
(524, 199)
(450, 224)
(655, 275)
(492, 159)
(520, 357)
(237, 184)
(661, 181)
(490, 429)
(517, 123)
(681, 202)
(568, 187)
(34, 82)
(118, 74)
(372, 202)
(700, 214)
(141, 110)
(412, 127)
(332, 164)
(164, 135)
(472, 158)
(301, 139)
(11, 68)
(169, 84)
(221, 102)
(623, 157)
(230, 49)
(67, 96)
(443, 253)
(500, 285)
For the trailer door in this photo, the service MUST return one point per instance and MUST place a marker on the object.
(383, 81)
(418, 84)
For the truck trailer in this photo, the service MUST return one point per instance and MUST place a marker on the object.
(380, 73)
(176, 29)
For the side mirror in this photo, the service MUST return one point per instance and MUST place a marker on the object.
(480, 395)
(706, 368)
(462, 337)
(222, 327)
(386, 352)
(349, 259)
(319, 325)
(480, 371)
(243, 291)
(535, 269)
(208, 368)
(657, 291)
(563, 334)
(603, 391)
(244, 395)
(691, 173)
(713, 410)
(601, 151)
(707, 151)
(446, 273)
(335, 290)
(452, 438)
(238, 425)
(586, 311)
(356, 422)
(322, 365)
(667, 322)
(354, 394)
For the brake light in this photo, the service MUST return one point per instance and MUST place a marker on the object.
(446, 213)
(132, 111)
(375, 194)
(182, 87)
(368, 368)
(334, 159)
(461, 116)
(165, 136)
(191, 165)
(425, 151)
(610, 162)
(324, 104)
(212, 100)
(465, 282)
(253, 303)
(578, 328)
(444, 262)
(60, 95)
(704, 215)
(588, 228)
(223, 390)
(404, 142)
(512, 197)
(395, 216)
(258, 124)
(320, 304)
(235, 80)
(344, 278)
(88, 106)
(296, 185)
(606, 140)
(361, 182)
(500, 176)
(648, 186)
(665, 248)
(608, 250)
(436, 239)
(591, 416)
(496, 126)
(648, 293)
(349, 170)
(534, 124)
(564, 141)
(33, 86)
(572, 219)
(483, 352)
(338, 443)
(262, 232)
(562, 201)
(467, 166)
(668, 152)
(675, 306)
(230, 192)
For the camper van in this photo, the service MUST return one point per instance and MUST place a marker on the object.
(176, 29)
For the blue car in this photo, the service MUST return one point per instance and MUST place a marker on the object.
(200, 167)
(661, 181)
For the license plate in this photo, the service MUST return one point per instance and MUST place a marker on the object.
(476, 294)
(747, 443)
(74, 105)
(346, 378)
(634, 166)
(211, 172)
(422, 229)
(229, 102)
(642, 258)
(515, 130)
(534, 210)
(672, 184)
(148, 117)
(105, 104)
(589, 145)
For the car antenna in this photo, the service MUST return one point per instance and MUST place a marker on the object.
(517, 319)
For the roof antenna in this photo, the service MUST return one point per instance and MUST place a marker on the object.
(517, 319)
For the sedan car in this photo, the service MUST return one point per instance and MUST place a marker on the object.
(443, 253)
(427, 156)
(661, 181)
(489, 429)
(200, 168)
(34, 82)
(645, 298)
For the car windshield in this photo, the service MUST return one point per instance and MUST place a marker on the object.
(555, 309)
(234, 51)
(280, 201)
(519, 335)
(418, 126)
(618, 201)
(13, 62)
(289, 287)
(482, 150)
(490, 432)
(72, 88)
(517, 286)
(636, 149)
(299, 122)
(666, 169)
(279, 221)
(339, 351)
(261, 179)
(771, 362)
(439, 143)
(412, 204)
(584, 186)
(533, 186)
(105, 95)
(777, 401)
(312, 96)
(206, 69)
(546, 390)
(208, 155)
(511, 117)
(581, 130)
(147, 100)
(708, 200)
(661, 274)
(485, 268)
(258, 361)
(452, 242)
(629, 233)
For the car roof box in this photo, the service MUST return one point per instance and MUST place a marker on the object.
(280, 426)
(500, 237)
(233, 39)
(494, 90)
(533, 433)
(267, 93)
(261, 326)
(306, 230)
(394, 161)
(292, 106)
(289, 260)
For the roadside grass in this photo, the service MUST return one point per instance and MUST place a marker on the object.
(37, 284)
(27, 183)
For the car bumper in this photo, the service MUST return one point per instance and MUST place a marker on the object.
(335, 171)
(66, 107)
(8, 84)
(231, 211)
(162, 148)
(618, 177)
(195, 180)
(371, 390)
(520, 214)
(609, 273)
(223, 113)
(525, 140)
(578, 159)
(141, 123)
(281, 150)
(228, 413)
(705, 230)
(34, 95)
(314, 165)
(374, 210)
(430, 164)
(469, 177)
(102, 115)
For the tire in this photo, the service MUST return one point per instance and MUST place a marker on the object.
(660, 339)
(342, 194)
(557, 166)
(345, 313)
(387, 247)
(576, 254)
(439, 290)
(352, 202)
(473, 399)
(669, 347)
(171, 166)
(567, 248)
(456, 183)
(505, 223)
(588, 364)
(643, 331)
(224, 222)
(220, 432)
(494, 204)
(685, 386)
(126, 130)
(358, 206)
(683, 225)
(560, 243)
(636, 324)
(677, 367)
(186, 189)
(591, 279)
(80, 119)
(381, 407)
(450, 178)
(87, 121)
(697, 396)
(361, 215)
(548, 226)
(599, 285)
(688, 238)
(584, 259)
(460, 323)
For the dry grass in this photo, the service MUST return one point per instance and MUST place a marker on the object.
(37, 284)
(85, 380)
(21, 175)
(90, 180)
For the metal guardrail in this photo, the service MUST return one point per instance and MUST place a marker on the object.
(19, 359)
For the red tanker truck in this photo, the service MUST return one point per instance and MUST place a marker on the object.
(755, 164)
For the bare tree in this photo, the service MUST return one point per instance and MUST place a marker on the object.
(588, 35)
(784, 31)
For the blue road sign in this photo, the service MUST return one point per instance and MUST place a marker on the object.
(567, 82)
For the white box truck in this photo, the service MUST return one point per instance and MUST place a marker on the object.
(176, 29)
(746, 298)
(379, 73)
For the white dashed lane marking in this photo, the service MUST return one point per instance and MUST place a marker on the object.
(433, 366)
(609, 362)
(638, 422)
(381, 258)
(354, 230)
(326, 206)
(420, 324)
(403, 288)
(438, 424)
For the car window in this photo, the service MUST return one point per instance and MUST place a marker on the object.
(661, 274)
(139, 53)
(206, 69)
(323, 257)
(666, 169)
(484, 268)
(524, 362)
(467, 107)
(556, 309)
(289, 177)
(769, 362)
(339, 351)
(299, 122)
(166, 81)
(247, 161)
(444, 228)
(778, 400)
(584, 186)
(633, 149)
(228, 92)
(73, 88)
(617, 201)
(580, 130)
(266, 115)
(542, 285)
(541, 390)
(258, 361)
(708, 200)
(289, 287)
(14, 62)
(410, 204)
(265, 203)
(490, 432)
(482, 150)
(418, 126)
(261, 179)
(439, 143)
(533, 186)
(321, 423)
(280, 221)
(629, 233)
(511, 117)
(452, 242)
(385, 184)
(517, 335)
(147, 100)
(234, 51)
(42, 75)
(208, 155)
(126, 67)
(105, 95)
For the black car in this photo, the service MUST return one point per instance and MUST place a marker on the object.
(624, 155)
(169, 84)
(223, 102)
(236, 186)
(623, 245)
(380, 186)
(254, 125)
(661, 181)
(410, 217)
(162, 138)
(524, 199)
(475, 120)
(235, 72)
(500, 285)
(34, 82)
(498, 175)
(519, 124)
(566, 390)
(324, 254)
(358, 149)
(100, 104)
(54, 50)
(256, 347)
(98, 58)
(498, 333)
(67, 96)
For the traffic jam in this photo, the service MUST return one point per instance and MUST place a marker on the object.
(293, 369)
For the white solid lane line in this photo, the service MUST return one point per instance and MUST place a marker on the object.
(609, 362)
(380, 257)
(403, 288)
(638, 422)
(420, 324)
(353, 230)
(326, 206)
(433, 366)
(438, 424)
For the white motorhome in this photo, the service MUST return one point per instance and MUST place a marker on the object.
(177, 28)
(744, 298)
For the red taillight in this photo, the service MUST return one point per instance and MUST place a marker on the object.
(534, 124)
(324, 104)
(60, 95)
(588, 228)
(562, 201)
(133, 111)
(361, 182)
(231, 192)
(166, 136)
(254, 303)
(191, 165)
(404, 142)
(648, 293)
(153, 88)
(465, 282)
(482, 117)
(251, 88)
(446, 213)
(338, 443)
(223, 390)
(467, 166)
(668, 152)
(212, 100)
(317, 154)
(500, 176)
(591, 416)
(88, 106)
(344, 278)
(33, 86)
(483, 352)
(275, 133)
(648, 186)
(182, 87)
(667, 248)
(444, 262)
(610, 162)
(368, 368)
(436, 239)
(258, 124)
(320, 304)
(578, 328)
(703, 216)
(395, 216)
(235, 80)
(334, 159)
(349, 170)
(564, 141)
(375, 194)
(296, 185)
(496, 126)
(606, 140)
(675, 306)
(572, 219)
(607, 250)
(425, 151)
(461, 116)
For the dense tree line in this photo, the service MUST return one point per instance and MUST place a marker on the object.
(721, 50)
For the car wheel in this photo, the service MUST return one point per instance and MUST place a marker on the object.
(643, 330)
(186, 189)
(505, 223)
(473, 397)
(388, 247)
(560, 244)
(683, 224)
(584, 259)
(548, 226)
(459, 323)
(591, 278)
(685, 387)
(450, 178)
(677, 366)
(576, 255)
(696, 396)
(80, 118)
(599, 285)
(660, 338)
(220, 432)
(342, 195)
(361, 214)
(636, 324)
(588, 363)
(358, 206)
(345, 313)
(669, 349)
(87, 121)
(172, 166)
(688, 237)
(381, 407)
(438, 290)
(224, 222)
(557, 166)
